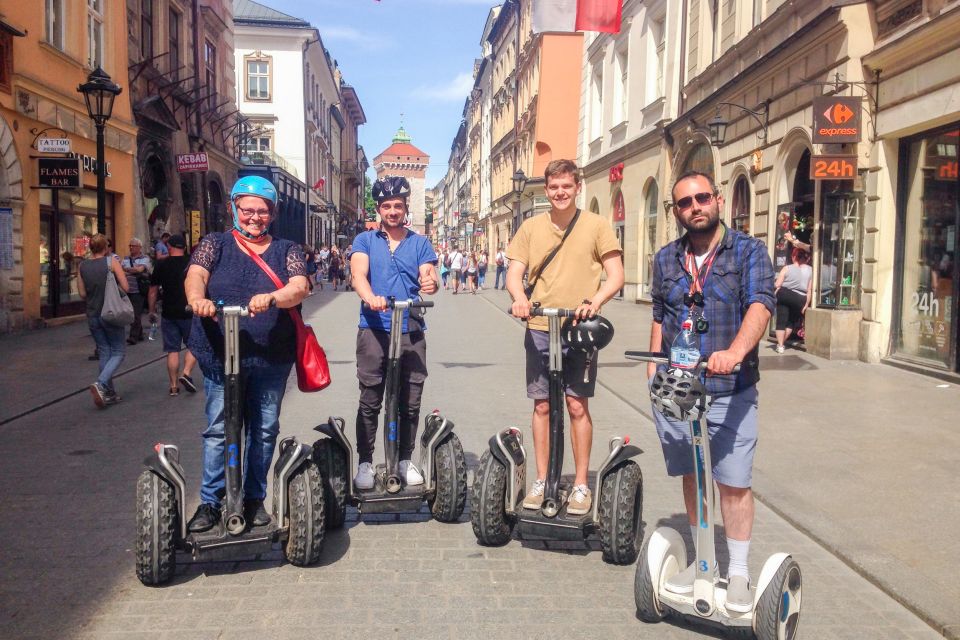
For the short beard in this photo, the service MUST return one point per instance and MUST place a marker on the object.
(703, 228)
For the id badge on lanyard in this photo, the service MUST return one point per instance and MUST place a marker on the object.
(694, 299)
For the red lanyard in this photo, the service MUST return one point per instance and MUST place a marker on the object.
(696, 286)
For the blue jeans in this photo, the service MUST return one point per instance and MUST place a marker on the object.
(263, 389)
(501, 275)
(111, 348)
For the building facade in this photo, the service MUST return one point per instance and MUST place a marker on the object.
(46, 51)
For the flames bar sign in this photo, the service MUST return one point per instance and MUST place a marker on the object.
(836, 119)
(189, 162)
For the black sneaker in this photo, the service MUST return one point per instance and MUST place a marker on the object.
(255, 514)
(204, 519)
(187, 383)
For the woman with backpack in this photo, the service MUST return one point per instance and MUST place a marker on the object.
(482, 261)
(444, 267)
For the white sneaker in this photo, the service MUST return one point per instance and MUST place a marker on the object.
(410, 474)
(365, 476)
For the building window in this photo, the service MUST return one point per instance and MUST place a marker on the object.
(56, 19)
(740, 211)
(651, 214)
(173, 45)
(94, 33)
(658, 36)
(596, 102)
(620, 86)
(210, 72)
(258, 78)
(146, 29)
(6, 61)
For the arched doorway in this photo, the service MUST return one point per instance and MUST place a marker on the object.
(11, 216)
(619, 221)
(651, 215)
(796, 198)
(217, 215)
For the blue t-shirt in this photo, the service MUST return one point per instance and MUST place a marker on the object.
(396, 274)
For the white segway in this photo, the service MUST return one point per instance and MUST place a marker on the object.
(777, 593)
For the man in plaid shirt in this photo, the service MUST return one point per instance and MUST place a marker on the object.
(726, 276)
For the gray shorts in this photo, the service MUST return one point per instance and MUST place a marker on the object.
(732, 425)
(455, 273)
(537, 345)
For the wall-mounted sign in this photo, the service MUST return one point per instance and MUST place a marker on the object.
(619, 209)
(836, 119)
(616, 173)
(59, 173)
(189, 162)
(833, 167)
(946, 170)
(53, 145)
(89, 164)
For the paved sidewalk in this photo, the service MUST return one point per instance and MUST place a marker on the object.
(861, 457)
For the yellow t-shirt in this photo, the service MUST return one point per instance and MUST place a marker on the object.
(574, 273)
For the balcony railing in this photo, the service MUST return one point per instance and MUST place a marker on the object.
(268, 158)
(351, 171)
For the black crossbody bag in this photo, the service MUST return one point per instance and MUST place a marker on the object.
(532, 282)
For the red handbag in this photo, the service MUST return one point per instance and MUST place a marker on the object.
(313, 371)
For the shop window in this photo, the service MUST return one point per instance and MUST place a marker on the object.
(173, 44)
(146, 29)
(258, 79)
(740, 210)
(651, 215)
(95, 33)
(928, 241)
(6, 60)
(55, 24)
(210, 72)
(841, 234)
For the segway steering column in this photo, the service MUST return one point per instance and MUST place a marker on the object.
(232, 419)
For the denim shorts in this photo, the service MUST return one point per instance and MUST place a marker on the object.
(537, 345)
(732, 425)
(175, 334)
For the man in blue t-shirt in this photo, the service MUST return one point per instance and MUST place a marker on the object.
(392, 261)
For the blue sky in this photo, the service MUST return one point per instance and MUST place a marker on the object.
(403, 56)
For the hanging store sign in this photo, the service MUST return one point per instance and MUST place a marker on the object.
(59, 173)
(191, 162)
(616, 173)
(619, 209)
(53, 145)
(836, 120)
(833, 167)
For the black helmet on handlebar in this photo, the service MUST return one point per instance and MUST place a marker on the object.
(390, 187)
(679, 394)
(587, 335)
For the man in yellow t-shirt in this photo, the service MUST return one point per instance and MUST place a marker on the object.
(570, 281)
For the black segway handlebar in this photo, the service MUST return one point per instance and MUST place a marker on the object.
(659, 358)
(393, 303)
(547, 311)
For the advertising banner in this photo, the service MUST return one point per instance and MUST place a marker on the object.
(191, 162)
(836, 119)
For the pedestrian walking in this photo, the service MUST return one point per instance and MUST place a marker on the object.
(167, 287)
(393, 261)
(160, 249)
(585, 248)
(444, 267)
(311, 265)
(457, 265)
(347, 275)
(724, 277)
(222, 269)
(501, 261)
(108, 338)
(336, 266)
(482, 260)
(137, 267)
(472, 273)
(794, 291)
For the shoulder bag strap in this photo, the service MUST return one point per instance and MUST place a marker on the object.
(546, 262)
(294, 313)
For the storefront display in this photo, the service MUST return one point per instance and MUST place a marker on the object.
(841, 233)
(928, 241)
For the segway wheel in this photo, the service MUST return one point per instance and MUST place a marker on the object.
(648, 604)
(488, 503)
(331, 461)
(450, 480)
(620, 512)
(307, 516)
(157, 522)
(778, 610)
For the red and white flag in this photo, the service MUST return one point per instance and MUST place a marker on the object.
(577, 15)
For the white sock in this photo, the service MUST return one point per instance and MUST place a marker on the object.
(738, 550)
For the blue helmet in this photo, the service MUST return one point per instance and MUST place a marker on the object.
(252, 186)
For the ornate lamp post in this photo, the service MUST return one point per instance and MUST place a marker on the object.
(519, 183)
(99, 92)
(718, 124)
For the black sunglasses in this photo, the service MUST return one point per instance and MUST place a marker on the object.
(702, 198)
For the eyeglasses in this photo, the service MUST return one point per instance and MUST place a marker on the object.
(250, 213)
(687, 201)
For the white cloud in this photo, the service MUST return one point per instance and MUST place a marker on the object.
(356, 37)
(452, 91)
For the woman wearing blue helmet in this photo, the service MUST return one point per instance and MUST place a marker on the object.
(223, 270)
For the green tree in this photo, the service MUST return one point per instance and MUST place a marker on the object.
(369, 204)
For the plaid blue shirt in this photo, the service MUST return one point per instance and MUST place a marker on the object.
(742, 274)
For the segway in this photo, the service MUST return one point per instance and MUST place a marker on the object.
(441, 455)
(298, 507)
(500, 483)
(777, 594)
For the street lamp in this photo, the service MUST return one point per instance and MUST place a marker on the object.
(718, 124)
(519, 183)
(99, 92)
